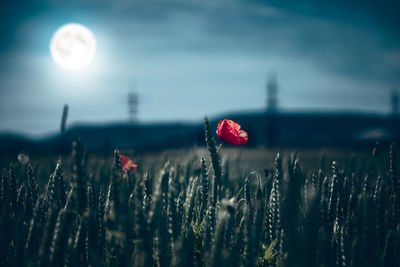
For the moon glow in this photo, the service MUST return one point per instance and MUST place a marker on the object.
(73, 46)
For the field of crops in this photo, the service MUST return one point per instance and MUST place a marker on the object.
(203, 207)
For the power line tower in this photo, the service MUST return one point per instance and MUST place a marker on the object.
(272, 111)
(133, 103)
(272, 94)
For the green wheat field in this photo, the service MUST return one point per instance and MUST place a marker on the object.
(209, 206)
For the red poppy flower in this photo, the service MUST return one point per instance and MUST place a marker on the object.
(127, 164)
(229, 131)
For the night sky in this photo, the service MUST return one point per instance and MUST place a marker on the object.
(190, 58)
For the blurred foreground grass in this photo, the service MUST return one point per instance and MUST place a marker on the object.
(199, 207)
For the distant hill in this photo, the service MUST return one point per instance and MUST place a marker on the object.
(279, 130)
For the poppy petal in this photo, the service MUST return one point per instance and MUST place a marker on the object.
(229, 131)
(127, 164)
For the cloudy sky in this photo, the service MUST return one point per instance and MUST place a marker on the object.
(190, 58)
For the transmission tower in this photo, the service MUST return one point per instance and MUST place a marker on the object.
(133, 103)
(272, 94)
(271, 111)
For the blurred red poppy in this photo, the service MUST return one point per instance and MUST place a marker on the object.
(229, 131)
(127, 164)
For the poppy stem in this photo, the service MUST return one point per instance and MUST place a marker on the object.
(220, 145)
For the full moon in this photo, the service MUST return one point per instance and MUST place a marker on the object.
(73, 46)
